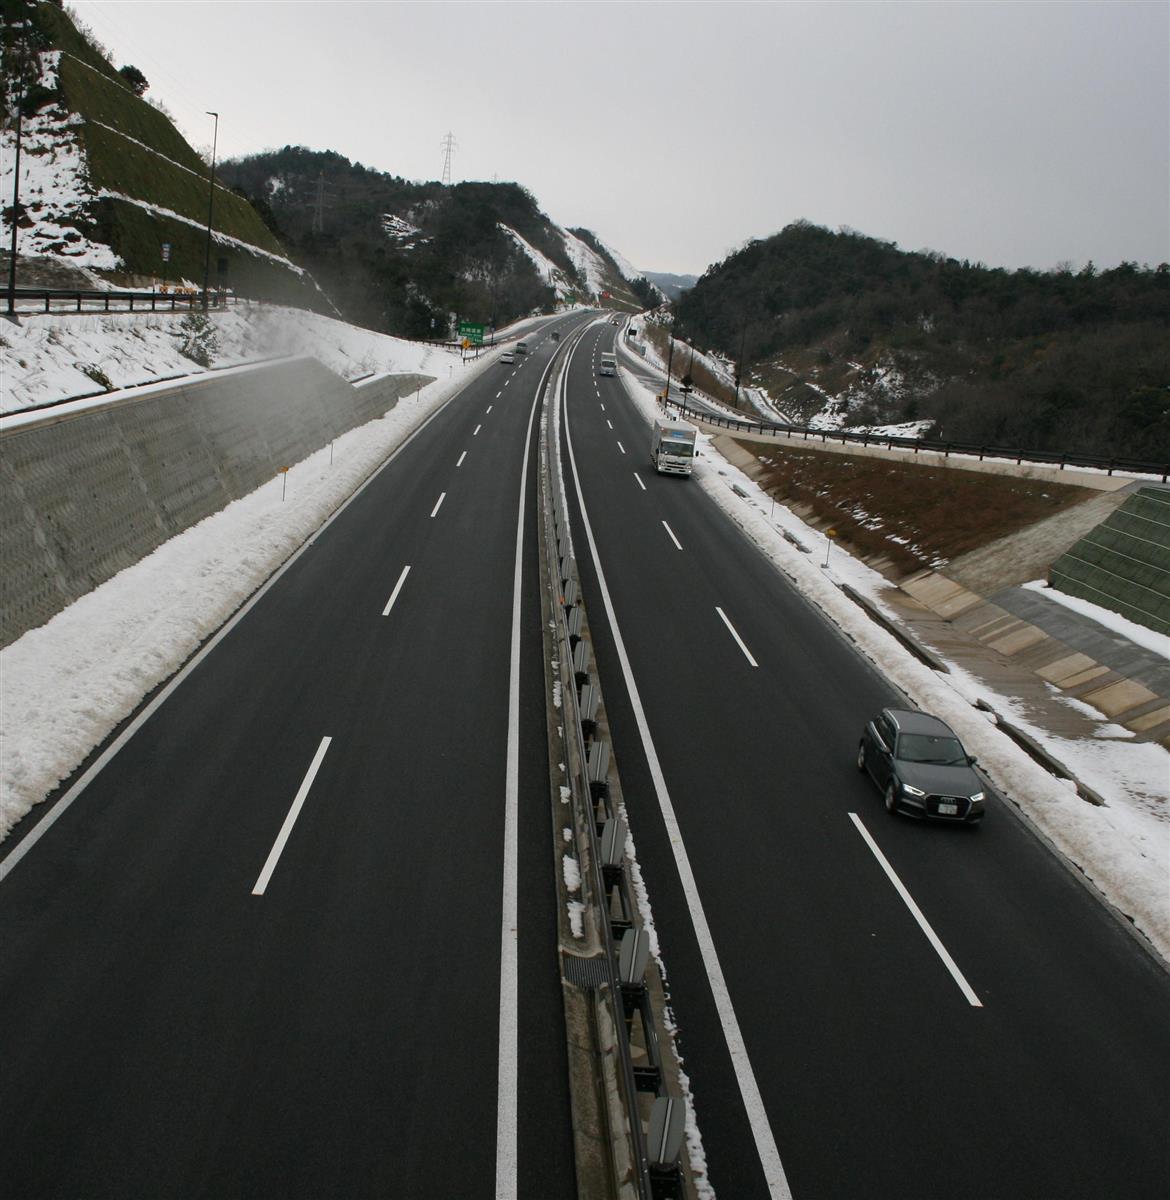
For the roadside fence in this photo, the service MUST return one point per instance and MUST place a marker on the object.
(1052, 458)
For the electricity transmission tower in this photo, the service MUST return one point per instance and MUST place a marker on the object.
(447, 145)
(319, 205)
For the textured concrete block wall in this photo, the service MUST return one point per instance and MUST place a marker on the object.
(1124, 564)
(85, 494)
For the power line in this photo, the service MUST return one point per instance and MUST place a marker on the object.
(319, 205)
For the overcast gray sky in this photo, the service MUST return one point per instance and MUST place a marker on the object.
(1017, 134)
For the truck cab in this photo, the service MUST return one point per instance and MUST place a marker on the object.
(672, 446)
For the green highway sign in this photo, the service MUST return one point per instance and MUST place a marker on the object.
(472, 332)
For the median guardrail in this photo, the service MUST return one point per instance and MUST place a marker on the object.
(628, 1117)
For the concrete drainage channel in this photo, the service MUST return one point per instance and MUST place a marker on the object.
(629, 1114)
(1024, 740)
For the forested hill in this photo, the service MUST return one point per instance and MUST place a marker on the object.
(400, 256)
(875, 334)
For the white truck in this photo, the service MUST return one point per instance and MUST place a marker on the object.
(608, 364)
(672, 446)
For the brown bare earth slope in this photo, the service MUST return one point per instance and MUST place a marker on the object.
(908, 516)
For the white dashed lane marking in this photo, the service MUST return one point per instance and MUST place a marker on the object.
(397, 589)
(738, 640)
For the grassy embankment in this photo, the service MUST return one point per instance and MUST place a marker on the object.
(133, 149)
(911, 516)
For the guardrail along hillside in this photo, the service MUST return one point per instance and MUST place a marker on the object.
(30, 299)
(1051, 458)
(88, 491)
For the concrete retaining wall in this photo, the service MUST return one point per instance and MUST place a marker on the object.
(89, 489)
(1124, 564)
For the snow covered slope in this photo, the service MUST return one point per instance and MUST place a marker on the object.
(53, 357)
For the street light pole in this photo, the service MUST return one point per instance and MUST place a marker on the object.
(210, 206)
(739, 362)
(15, 210)
(669, 359)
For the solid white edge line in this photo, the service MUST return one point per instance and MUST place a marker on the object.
(739, 641)
(439, 503)
(461, 458)
(916, 913)
(291, 819)
(639, 479)
(59, 807)
(397, 589)
(745, 1076)
(670, 534)
(508, 1063)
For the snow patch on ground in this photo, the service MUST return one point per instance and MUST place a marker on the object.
(224, 239)
(1159, 643)
(54, 182)
(397, 229)
(571, 872)
(547, 269)
(590, 265)
(51, 357)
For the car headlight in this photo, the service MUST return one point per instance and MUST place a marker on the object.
(977, 797)
(912, 791)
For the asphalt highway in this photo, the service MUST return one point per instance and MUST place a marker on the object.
(868, 1005)
(296, 939)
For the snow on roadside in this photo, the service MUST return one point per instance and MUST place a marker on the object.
(1123, 848)
(51, 357)
(1148, 639)
(68, 683)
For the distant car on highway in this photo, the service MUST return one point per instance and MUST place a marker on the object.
(921, 767)
(507, 357)
(521, 347)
